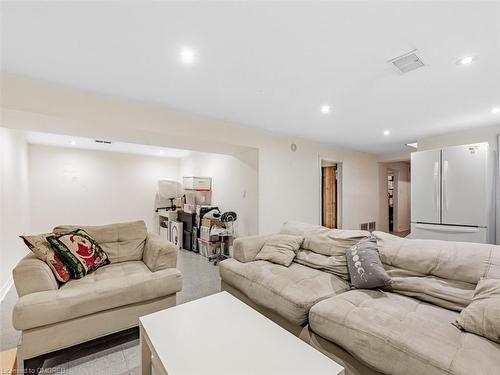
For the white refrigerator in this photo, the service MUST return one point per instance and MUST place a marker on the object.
(453, 194)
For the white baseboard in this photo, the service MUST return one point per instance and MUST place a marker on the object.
(6, 287)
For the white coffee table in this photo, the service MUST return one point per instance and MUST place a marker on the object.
(221, 335)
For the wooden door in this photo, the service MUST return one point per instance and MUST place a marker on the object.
(329, 196)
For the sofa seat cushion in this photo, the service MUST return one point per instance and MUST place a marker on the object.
(108, 287)
(396, 334)
(288, 291)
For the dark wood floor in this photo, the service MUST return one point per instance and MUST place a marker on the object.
(401, 234)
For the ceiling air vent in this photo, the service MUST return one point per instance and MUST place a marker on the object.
(407, 62)
(103, 141)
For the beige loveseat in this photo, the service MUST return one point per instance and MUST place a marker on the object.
(405, 330)
(140, 279)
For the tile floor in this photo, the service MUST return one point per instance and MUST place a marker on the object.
(117, 354)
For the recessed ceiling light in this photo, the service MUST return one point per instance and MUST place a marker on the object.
(160, 152)
(466, 60)
(495, 110)
(387, 132)
(187, 55)
(325, 109)
(72, 143)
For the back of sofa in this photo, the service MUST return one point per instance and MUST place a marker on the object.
(322, 240)
(122, 241)
(324, 248)
(441, 272)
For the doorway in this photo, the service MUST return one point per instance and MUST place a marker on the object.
(395, 197)
(391, 181)
(330, 193)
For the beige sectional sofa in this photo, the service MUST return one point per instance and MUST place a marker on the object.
(408, 329)
(140, 279)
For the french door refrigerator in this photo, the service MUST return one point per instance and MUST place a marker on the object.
(453, 194)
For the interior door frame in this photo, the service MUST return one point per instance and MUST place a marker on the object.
(497, 182)
(395, 198)
(340, 183)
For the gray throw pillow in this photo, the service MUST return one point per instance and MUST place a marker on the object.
(365, 268)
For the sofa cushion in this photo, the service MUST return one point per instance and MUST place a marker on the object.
(396, 334)
(324, 248)
(288, 291)
(442, 272)
(334, 264)
(280, 249)
(323, 240)
(39, 245)
(482, 316)
(79, 252)
(110, 286)
(122, 241)
(450, 294)
(365, 268)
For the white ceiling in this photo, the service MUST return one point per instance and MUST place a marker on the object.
(272, 65)
(39, 138)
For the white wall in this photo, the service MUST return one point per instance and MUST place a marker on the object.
(235, 184)
(97, 187)
(73, 186)
(14, 202)
(484, 134)
(289, 182)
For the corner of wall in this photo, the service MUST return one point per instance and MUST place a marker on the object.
(14, 201)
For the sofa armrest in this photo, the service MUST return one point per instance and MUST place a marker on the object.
(245, 249)
(33, 275)
(158, 253)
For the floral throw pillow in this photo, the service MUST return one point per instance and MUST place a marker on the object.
(79, 251)
(39, 245)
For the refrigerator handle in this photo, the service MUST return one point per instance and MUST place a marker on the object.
(436, 185)
(445, 184)
(443, 228)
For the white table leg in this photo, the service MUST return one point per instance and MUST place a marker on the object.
(145, 354)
